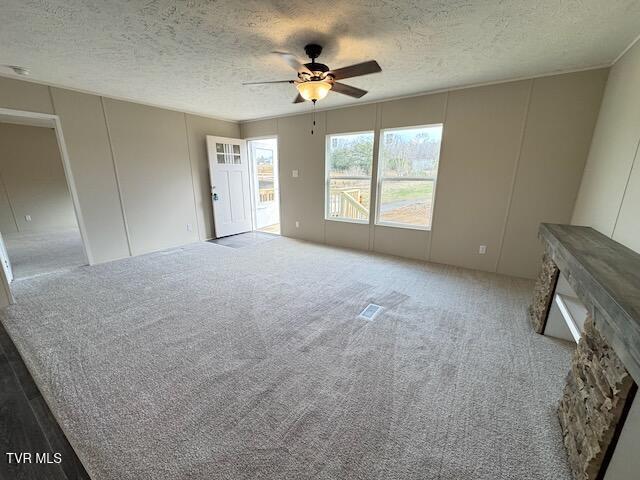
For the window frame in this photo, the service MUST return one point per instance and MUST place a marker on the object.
(380, 179)
(327, 178)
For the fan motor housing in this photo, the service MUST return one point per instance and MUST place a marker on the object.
(317, 67)
(313, 50)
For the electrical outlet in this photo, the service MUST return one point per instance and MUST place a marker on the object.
(297, 224)
(189, 227)
(295, 173)
(482, 250)
(27, 218)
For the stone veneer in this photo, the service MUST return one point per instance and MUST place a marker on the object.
(592, 403)
(543, 293)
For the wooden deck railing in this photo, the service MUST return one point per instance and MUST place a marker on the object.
(346, 204)
(266, 195)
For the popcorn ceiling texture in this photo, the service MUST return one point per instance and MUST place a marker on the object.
(194, 55)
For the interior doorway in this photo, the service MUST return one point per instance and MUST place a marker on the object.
(40, 230)
(263, 158)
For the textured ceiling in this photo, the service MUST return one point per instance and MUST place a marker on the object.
(193, 55)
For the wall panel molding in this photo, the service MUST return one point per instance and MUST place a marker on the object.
(455, 237)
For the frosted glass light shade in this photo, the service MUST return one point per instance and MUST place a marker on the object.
(314, 89)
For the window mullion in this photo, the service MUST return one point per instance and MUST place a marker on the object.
(408, 179)
(351, 178)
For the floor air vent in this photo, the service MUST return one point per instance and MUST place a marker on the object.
(370, 312)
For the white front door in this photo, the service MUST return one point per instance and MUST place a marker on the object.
(230, 192)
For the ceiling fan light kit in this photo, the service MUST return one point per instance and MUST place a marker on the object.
(314, 90)
(315, 80)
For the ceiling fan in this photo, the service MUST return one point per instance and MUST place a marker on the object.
(315, 80)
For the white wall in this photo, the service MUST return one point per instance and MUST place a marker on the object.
(556, 141)
(32, 181)
(87, 140)
(512, 157)
(480, 149)
(609, 197)
(625, 462)
(151, 156)
(140, 172)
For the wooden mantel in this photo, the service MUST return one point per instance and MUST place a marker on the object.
(605, 367)
(606, 277)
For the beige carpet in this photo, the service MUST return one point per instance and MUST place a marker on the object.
(38, 253)
(207, 362)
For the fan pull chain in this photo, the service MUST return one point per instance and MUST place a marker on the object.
(314, 117)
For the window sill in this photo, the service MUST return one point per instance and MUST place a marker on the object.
(347, 220)
(403, 226)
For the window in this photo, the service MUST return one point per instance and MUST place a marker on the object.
(348, 176)
(407, 171)
(263, 165)
(228, 153)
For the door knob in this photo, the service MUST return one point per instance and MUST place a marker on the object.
(215, 196)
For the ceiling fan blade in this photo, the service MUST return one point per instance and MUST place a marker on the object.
(293, 62)
(364, 68)
(348, 90)
(299, 99)
(271, 81)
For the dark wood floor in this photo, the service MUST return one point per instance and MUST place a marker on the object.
(27, 425)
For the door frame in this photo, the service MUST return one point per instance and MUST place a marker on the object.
(252, 176)
(36, 119)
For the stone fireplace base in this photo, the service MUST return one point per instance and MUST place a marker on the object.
(593, 402)
(543, 293)
(598, 431)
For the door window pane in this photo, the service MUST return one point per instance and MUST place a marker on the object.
(263, 155)
(228, 153)
(264, 173)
